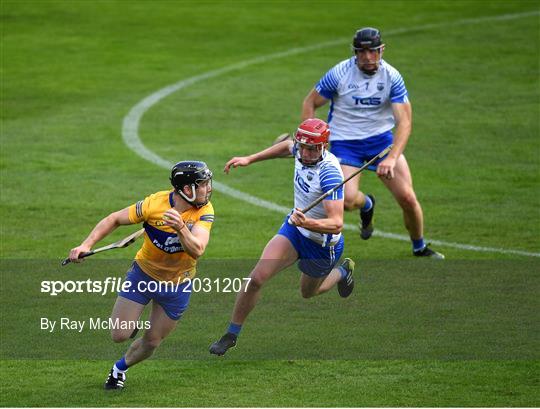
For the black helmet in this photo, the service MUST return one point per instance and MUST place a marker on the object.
(190, 173)
(367, 38)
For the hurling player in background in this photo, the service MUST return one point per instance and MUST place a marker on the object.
(368, 99)
(313, 239)
(177, 227)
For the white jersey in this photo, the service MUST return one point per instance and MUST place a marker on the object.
(310, 182)
(361, 105)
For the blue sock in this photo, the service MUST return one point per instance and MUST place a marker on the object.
(343, 272)
(368, 205)
(121, 364)
(418, 244)
(234, 328)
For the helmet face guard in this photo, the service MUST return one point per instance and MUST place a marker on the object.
(368, 38)
(312, 134)
(192, 174)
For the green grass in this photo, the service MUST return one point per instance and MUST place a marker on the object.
(283, 383)
(460, 310)
(413, 334)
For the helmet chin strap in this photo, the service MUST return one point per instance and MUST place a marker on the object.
(188, 199)
(372, 72)
(299, 157)
(192, 198)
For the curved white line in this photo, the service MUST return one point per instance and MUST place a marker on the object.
(130, 128)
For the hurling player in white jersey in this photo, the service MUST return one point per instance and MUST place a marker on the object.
(368, 100)
(313, 239)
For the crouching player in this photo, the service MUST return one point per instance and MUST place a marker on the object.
(177, 227)
(314, 239)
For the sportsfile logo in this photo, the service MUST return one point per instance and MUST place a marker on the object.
(109, 284)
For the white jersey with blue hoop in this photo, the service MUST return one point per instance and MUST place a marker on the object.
(361, 105)
(311, 182)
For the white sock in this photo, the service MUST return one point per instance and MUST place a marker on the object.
(116, 371)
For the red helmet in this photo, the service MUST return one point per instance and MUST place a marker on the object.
(312, 131)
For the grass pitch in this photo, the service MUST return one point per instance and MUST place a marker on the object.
(414, 333)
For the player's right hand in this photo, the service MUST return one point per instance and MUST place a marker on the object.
(235, 162)
(297, 218)
(74, 253)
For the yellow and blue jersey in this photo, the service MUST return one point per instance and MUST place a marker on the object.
(161, 255)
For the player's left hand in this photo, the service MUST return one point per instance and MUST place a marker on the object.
(173, 219)
(386, 168)
(297, 218)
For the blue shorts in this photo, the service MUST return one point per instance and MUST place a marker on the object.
(357, 152)
(314, 260)
(173, 298)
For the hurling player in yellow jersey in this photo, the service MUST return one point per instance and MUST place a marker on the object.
(177, 227)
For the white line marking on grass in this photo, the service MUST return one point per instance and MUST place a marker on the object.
(130, 128)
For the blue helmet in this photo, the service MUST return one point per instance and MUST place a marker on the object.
(367, 38)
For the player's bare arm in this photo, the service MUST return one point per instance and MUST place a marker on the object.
(313, 101)
(403, 116)
(193, 241)
(102, 230)
(279, 150)
(332, 224)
